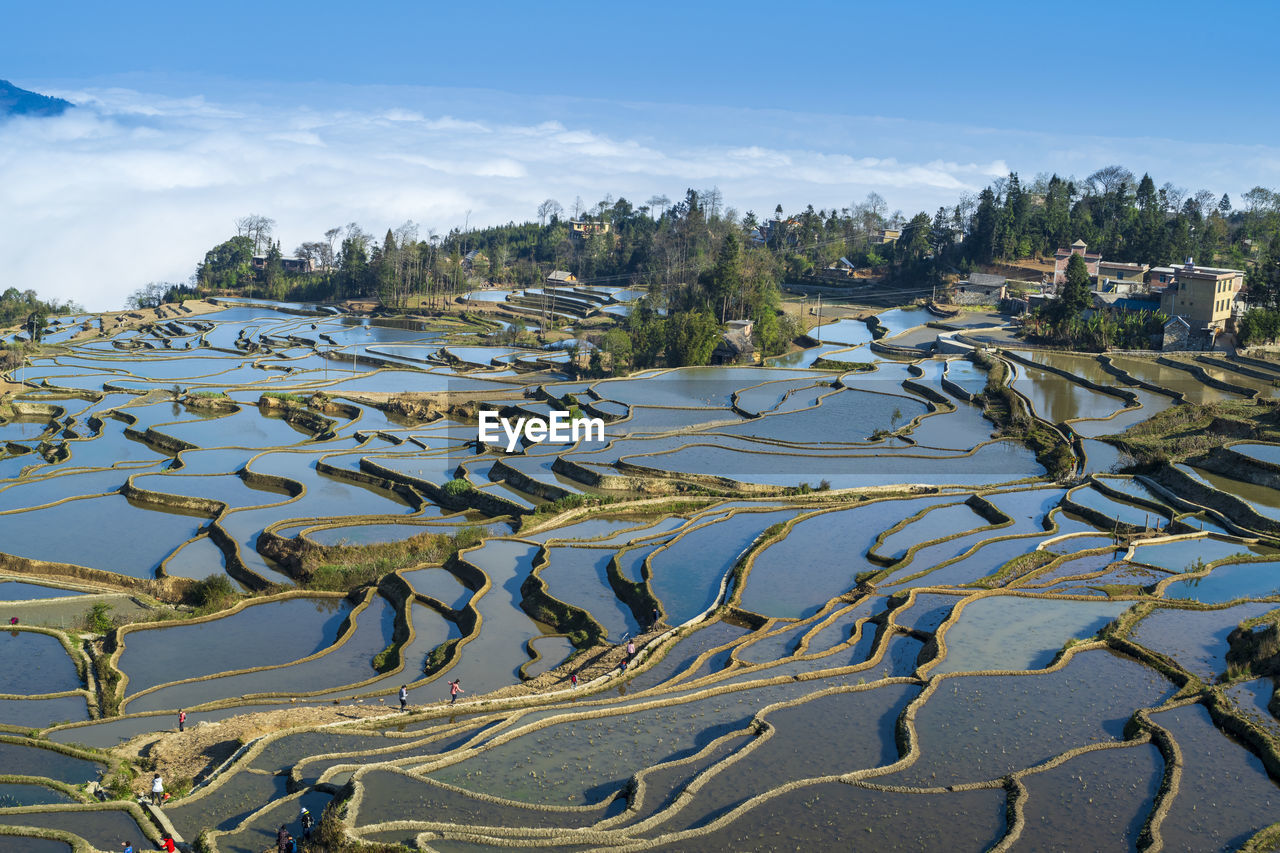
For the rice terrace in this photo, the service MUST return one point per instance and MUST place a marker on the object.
(681, 427)
(864, 590)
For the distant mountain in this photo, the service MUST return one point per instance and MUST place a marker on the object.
(20, 102)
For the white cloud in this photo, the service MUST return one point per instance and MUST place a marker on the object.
(130, 187)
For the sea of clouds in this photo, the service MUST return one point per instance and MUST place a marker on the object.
(133, 186)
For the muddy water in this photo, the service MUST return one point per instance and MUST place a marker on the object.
(1264, 500)
(1058, 399)
(1196, 640)
(802, 819)
(980, 727)
(862, 723)
(1100, 800)
(1224, 795)
(22, 759)
(942, 522)
(1171, 378)
(351, 662)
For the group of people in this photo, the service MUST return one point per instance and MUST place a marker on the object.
(627, 659)
(286, 843)
(455, 687)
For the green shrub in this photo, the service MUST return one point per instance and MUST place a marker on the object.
(213, 593)
(456, 487)
(98, 618)
(285, 397)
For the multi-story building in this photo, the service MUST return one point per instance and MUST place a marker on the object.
(1117, 277)
(1206, 297)
(588, 228)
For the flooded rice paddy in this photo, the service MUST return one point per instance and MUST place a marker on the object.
(860, 615)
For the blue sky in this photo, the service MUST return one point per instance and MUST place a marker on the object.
(1124, 65)
(321, 113)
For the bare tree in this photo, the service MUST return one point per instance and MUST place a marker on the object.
(257, 228)
(711, 201)
(578, 206)
(549, 208)
(1108, 179)
(406, 232)
(659, 203)
(332, 236)
(318, 253)
(1173, 196)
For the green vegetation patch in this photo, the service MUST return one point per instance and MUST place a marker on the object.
(1189, 430)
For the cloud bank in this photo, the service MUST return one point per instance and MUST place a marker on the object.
(132, 187)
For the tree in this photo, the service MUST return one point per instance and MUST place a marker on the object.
(149, 295)
(691, 338)
(36, 321)
(257, 228)
(724, 281)
(1109, 179)
(273, 269)
(549, 209)
(227, 264)
(618, 344)
(659, 203)
(1264, 279)
(980, 246)
(1077, 293)
(913, 245)
(648, 332)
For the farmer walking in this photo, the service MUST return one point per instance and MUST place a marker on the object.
(157, 790)
(455, 687)
(404, 697)
(182, 721)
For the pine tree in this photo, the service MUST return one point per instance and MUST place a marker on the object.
(1076, 294)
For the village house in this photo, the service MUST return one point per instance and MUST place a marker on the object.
(1206, 297)
(582, 229)
(561, 278)
(881, 236)
(1062, 256)
(1117, 277)
(286, 264)
(1158, 278)
(837, 272)
(980, 289)
(735, 345)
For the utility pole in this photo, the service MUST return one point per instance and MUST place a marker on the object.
(818, 328)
